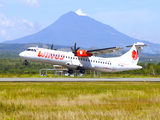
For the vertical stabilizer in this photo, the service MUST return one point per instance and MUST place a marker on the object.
(132, 56)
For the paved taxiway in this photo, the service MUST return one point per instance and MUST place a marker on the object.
(79, 79)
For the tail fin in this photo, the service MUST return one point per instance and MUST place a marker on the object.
(132, 56)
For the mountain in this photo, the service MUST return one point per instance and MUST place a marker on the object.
(86, 31)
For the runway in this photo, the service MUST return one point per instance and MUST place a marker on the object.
(79, 79)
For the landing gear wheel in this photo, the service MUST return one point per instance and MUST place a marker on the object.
(26, 62)
(70, 71)
(82, 71)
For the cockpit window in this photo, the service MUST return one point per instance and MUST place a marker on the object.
(31, 50)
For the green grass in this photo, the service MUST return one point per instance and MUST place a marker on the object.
(79, 100)
(111, 75)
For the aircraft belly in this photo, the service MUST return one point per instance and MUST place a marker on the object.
(126, 68)
(72, 64)
(101, 68)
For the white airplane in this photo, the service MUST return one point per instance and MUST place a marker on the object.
(86, 59)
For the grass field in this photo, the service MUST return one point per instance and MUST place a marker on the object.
(112, 75)
(79, 100)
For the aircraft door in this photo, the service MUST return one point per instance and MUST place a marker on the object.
(114, 65)
(75, 61)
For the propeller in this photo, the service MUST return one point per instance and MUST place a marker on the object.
(52, 46)
(74, 51)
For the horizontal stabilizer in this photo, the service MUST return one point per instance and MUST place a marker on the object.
(138, 44)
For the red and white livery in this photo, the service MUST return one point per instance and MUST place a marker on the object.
(86, 59)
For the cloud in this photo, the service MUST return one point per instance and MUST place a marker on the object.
(19, 24)
(5, 22)
(79, 12)
(3, 35)
(3, 32)
(34, 3)
(29, 26)
(1, 6)
(15, 28)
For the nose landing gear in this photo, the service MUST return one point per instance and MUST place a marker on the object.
(26, 62)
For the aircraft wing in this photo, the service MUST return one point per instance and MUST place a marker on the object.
(103, 51)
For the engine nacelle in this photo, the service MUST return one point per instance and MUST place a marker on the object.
(83, 53)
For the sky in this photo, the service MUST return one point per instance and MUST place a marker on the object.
(136, 18)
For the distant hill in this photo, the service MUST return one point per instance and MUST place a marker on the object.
(86, 31)
(16, 48)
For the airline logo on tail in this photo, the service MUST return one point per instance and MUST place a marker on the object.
(135, 54)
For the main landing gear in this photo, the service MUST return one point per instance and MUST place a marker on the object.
(70, 71)
(81, 70)
(26, 62)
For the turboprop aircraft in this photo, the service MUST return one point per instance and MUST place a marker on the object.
(86, 59)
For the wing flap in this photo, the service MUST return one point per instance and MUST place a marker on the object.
(103, 51)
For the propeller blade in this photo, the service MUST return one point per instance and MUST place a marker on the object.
(75, 46)
(72, 49)
(78, 48)
(52, 46)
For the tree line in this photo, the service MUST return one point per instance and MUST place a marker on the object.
(17, 65)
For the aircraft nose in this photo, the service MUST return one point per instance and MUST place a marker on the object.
(21, 54)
